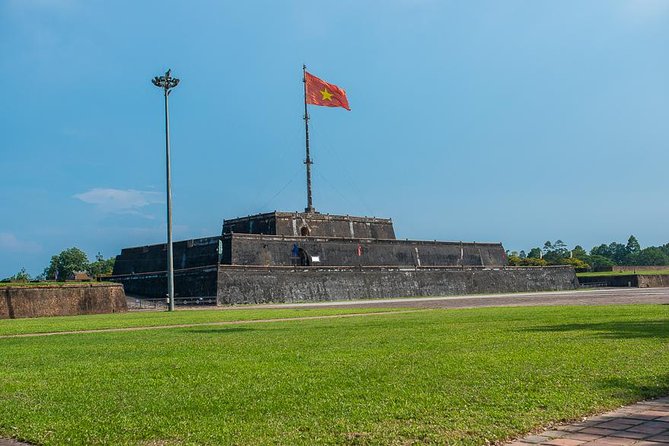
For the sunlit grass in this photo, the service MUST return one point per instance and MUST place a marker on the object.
(432, 377)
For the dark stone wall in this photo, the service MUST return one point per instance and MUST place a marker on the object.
(253, 224)
(189, 283)
(61, 300)
(311, 224)
(253, 249)
(187, 254)
(628, 280)
(239, 285)
(268, 250)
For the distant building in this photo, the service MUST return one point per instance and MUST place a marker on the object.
(80, 276)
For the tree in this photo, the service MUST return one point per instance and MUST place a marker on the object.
(65, 264)
(576, 263)
(535, 253)
(579, 253)
(633, 246)
(555, 252)
(21, 276)
(522, 254)
(596, 260)
(619, 253)
(101, 266)
(528, 261)
(652, 256)
(601, 250)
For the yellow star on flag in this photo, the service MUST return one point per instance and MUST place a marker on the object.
(327, 96)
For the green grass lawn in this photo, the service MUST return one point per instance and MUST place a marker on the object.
(158, 318)
(431, 377)
(624, 273)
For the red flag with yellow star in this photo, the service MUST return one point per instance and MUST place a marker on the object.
(322, 93)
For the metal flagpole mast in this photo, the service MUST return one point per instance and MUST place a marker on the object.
(308, 162)
(167, 83)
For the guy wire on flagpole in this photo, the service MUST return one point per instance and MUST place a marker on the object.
(308, 162)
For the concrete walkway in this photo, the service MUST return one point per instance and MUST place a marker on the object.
(642, 424)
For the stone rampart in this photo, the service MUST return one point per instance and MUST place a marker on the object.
(627, 280)
(311, 224)
(251, 249)
(246, 285)
(630, 268)
(153, 258)
(653, 280)
(61, 300)
(188, 283)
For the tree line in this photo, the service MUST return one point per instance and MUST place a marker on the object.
(63, 266)
(615, 253)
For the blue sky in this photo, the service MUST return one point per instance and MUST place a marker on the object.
(512, 121)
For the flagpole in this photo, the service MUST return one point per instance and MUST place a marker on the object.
(308, 162)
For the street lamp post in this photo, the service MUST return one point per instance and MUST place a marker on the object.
(167, 83)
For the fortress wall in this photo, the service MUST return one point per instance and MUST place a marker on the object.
(653, 280)
(324, 225)
(254, 224)
(187, 254)
(630, 268)
(61, 300)
(269, 250)
(627, 280)
(194, 282)
(239, 285)
(318, 225)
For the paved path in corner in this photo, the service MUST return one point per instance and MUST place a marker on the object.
(642, 424)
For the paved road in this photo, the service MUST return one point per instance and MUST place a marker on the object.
(602, 296)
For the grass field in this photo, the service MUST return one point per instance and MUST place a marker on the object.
(155, 319)
(429, 377)
(624, 273)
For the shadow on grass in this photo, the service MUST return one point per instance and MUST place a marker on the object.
(220, 330)
(636, 390)
(613, 330)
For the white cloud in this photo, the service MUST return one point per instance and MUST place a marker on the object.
(119, 201)
(9, 242)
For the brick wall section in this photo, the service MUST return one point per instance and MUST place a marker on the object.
(315, 224)
(250, 249)
(255, 249)
(190, 283)
(630, 268)
(653, 280)
(239, 285)
(187, 254)
(65, 300)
